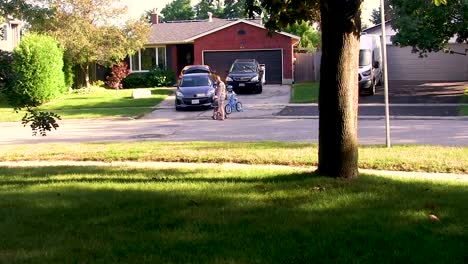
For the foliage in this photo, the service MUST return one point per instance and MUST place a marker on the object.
(6, 71)
(234, 9)
(118, 73)
(427, 27)
(40, 121)
(310, 38)
(389, 13)
(89, 34)
(37, 64)
(98, 83)
(69, 72)
(205, 6)
(178, 10)
(136, 80)
(161, 77)
(155, 78)
(35, 13)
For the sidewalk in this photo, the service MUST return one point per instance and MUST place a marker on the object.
(463, 178)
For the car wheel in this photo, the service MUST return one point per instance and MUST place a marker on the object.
(259, 89)
(239, 107)
(228, 109)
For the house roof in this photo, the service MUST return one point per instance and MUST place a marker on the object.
(188, 31)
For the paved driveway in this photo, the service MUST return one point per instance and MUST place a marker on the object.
(418, 92)
(268, 103)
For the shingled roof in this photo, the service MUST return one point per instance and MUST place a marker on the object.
(187, 31)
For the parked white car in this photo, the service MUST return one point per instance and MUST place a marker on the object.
(370, 63)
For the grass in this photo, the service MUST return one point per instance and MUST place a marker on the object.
(464, 108)
(226, 215)
(94, 103)
(404, 158)
(306, 92)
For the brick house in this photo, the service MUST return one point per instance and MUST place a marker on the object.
(217, 42)
(10, 34)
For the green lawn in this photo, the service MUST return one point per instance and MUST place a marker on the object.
(405, 158)
(305, 92)
(97, 102)
(226, 215)
(464, 108)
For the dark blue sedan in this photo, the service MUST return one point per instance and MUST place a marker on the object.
(195, 90)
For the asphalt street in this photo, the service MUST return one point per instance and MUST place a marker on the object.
(372, 131)
(266, 117)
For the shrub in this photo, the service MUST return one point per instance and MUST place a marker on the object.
(154, 78)
(37, 65)
(161, 77)
(135, 80)
(118, 73)
(69, 73)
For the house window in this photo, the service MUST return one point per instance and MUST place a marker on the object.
(147, 59)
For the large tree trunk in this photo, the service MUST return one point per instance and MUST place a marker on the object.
(338, 95)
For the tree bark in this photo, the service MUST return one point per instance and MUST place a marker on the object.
(85, 70)
(338, 94)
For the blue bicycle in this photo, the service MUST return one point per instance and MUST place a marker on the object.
(233, 103)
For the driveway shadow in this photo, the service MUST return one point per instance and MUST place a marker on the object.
(418, 92)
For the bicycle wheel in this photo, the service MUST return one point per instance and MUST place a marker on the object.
(239, 107)
(228, 109)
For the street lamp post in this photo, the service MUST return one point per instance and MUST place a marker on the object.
(384, 49)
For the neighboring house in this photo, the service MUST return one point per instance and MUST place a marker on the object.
(217, 42)
(10, 34)
(438, 66)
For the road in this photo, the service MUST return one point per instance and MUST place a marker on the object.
(372, 131)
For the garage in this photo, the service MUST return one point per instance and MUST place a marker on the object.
(440, 66)
(222, 60)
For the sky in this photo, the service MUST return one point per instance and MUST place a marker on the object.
(137, 7)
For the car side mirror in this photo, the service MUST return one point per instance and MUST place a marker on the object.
(376, 64)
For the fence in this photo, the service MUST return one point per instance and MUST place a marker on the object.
(307, 67)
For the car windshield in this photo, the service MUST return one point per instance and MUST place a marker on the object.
(243, 67)
(195, 80)
(195, 70)
(364, 57)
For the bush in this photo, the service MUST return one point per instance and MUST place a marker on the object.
(154, 78)
(118, 73)
(161, 77)
(135, 80)
(69, 73)
(6, 71)
(37, 65)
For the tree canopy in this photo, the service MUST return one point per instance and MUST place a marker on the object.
(310, 38)
(428, 27)
(89, 32)
(178, 10)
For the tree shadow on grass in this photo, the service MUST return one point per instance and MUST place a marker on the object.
(233, 216)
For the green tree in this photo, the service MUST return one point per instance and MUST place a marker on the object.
(205, 6)
(234, 9)
(32, 12)
(340, 23)
(389, 13)
(427, 26)
(178, 10)
(87, 30)
(310, 38)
